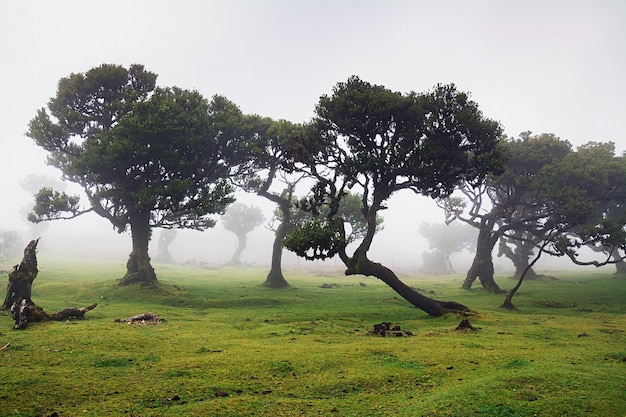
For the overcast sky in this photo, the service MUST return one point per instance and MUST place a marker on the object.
(543, 66)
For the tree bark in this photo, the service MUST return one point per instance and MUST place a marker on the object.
(363, 266)
(275, 278)
(519, 255)
(138, 268)
(21, 278)
(508, 300)
(18, 297)
(482, 266)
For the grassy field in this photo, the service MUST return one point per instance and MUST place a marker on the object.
(230, 347)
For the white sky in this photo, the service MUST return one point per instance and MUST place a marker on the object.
(544, 66)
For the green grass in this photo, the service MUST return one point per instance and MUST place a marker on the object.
(230, 347)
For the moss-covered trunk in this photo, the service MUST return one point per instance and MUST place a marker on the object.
(435, 308)
(21, 278)
(275, 278)
(18, 297)
(138, 268)
(482, 266)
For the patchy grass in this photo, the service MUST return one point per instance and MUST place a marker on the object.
(230, 347)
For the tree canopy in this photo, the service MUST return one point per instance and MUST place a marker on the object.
(241, 219)
(507, 204)
(581, 197)
(144, 156)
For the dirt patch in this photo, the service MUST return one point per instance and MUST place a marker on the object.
(385, 329)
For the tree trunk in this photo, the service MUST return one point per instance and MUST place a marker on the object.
(519, 255)
(21, 278)
(482, 266)
(620, 267)
(363, 266)
(138, 268)
(521, 267)
(241, 246)
(508, 300)
(275, 278)
(166, 237)
(18, 297)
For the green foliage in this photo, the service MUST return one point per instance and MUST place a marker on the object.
(241, 219)
(369, 141)
(426, 142)
(230, 346)
(138, 151)
(317, 238)
(51, 204)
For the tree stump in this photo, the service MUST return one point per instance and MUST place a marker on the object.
(18, 296)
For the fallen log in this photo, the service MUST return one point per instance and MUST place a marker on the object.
(144, 318)
(18, 297)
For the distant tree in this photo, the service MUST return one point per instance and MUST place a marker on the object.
(10, 244)
(519, 246)
(378, 142)
(507, 204)
(575, 193)
(166, 237)
(144, 156)
(241, 219)
(444, 240)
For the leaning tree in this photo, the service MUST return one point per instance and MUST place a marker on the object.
(144, 156)
(377, 142)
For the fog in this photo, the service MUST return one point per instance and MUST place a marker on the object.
(541, 66)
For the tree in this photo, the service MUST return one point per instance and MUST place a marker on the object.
(241, 219)
(576, 194)
(166, 237)
(379, 142)
(445, 240)
(267, 146)
(10, 242)
(507, 204)
(274, 178)
(144, 156)
(518, 246)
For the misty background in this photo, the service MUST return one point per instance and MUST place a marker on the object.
(543, 66)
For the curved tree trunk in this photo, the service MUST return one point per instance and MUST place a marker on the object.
(235, 260)
(166, 237)
(138, 268)
(482, 266)
(275, 278)
(620, 267)
(435, 308)
(508, 300)
(519, 255)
